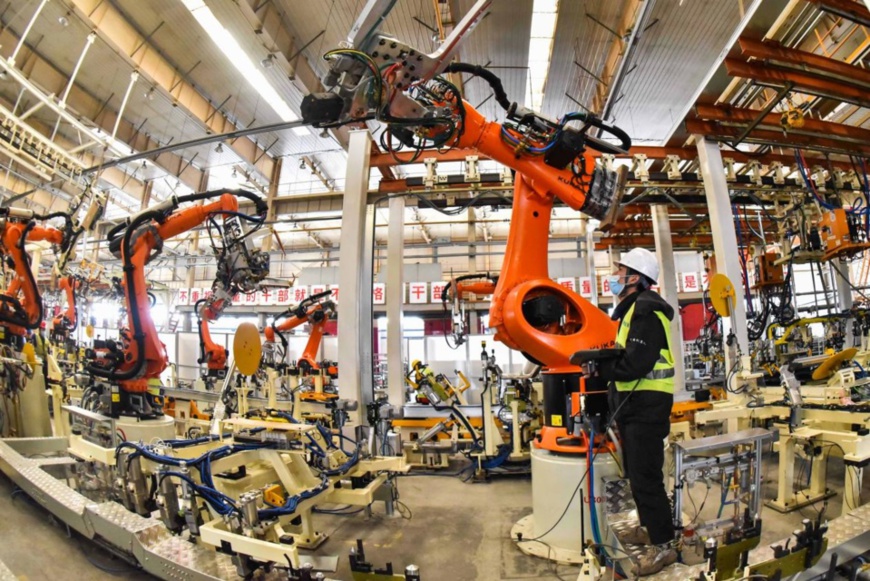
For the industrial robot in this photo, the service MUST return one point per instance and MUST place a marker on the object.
(309, 383)
(127, 370)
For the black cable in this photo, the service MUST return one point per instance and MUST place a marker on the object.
(478, 71)
(586, 473)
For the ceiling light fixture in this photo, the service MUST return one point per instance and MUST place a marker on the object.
(240, 59)
(267, 62)
(544, 15)
(219, 148)
(149, 94)
(64, 20)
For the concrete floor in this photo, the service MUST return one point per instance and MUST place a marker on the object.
(458, 531)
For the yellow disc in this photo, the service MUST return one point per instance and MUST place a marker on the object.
(247, 349)
(89, 331)
(29, 353)
(721, 290)
(827, 368)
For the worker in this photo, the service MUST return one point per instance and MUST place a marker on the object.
(643, 380)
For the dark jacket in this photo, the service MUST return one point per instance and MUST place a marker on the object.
(646, 337)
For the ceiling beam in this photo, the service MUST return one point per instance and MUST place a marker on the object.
(773, 137)
(838, 131)
(45, 74)
(617, 51)
(772, 52)
(137, 50)
(848, 9)
(803, 82)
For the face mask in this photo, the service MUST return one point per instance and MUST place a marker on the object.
(616, 286)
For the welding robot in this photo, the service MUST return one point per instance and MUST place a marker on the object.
(376, 76)
(127, 369)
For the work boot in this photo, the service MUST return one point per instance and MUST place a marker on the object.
(653, 559)
(634, 536)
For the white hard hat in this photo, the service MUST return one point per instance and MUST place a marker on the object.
(643, 261)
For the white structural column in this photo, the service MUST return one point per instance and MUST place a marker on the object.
(395, 299)
(724, 236)
(843, 281)
(355, 278)
(668, 284)
(590, 259)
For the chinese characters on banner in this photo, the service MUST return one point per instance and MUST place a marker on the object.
(298, 294)
(690, 283)
(283, 297)
(568, 283)
(379, 293)
(438, 291)
(418, 293)
(266, 296)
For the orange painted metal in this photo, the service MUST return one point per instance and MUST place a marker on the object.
(822, 128)
(812, 64)
(67, 320)
(318, 315)
(151, 237)
(837, 236)
(23, 282)
(525, 275)
(803, 82)
(215, 356)
(714, 129)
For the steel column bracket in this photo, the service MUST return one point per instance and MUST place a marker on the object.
(638, 167)
(672, 167)
(819, 177)
(850, 178)
(730, 173)
(432, 178)
(472, 170)
(608, 161)
(507, 177)
(778, 172)
(755, 171)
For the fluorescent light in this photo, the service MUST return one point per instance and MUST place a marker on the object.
(237, 56)
(544, 16)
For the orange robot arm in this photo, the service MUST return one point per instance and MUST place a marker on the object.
(210, 353)
(68, 320)
(144, 355)
(26, 314)
(529, 311)
(317, 314)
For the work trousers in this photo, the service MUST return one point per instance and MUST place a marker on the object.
(644, 423)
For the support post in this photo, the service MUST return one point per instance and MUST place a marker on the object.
(271, 194)
(843, 282)
(395, 292)
(472, 242)
(590, 260)
(724, 237)
(668, 284)
(355, 277)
